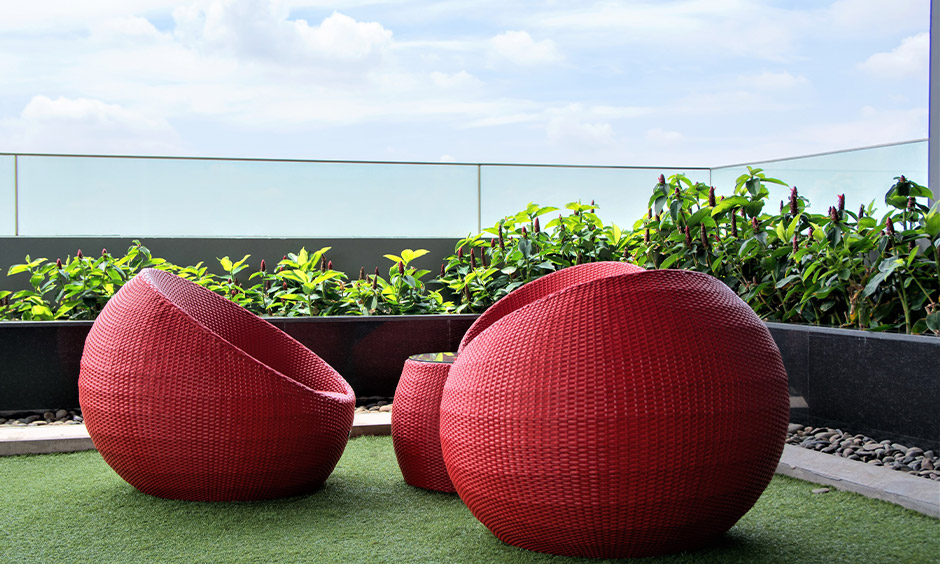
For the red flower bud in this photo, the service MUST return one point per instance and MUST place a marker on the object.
(401, 267)
(861, 211)
(662, 179)
(755, 224)
(711, 196)
(890, 227)
(284, 257)
(483, 257)
(104, 252)
(525, 234)
(460, 253)
(649, 213)
(263, 267)
(234, 291)
(677, 192)
(796, 243)
(58, 263)
(688, 237)
(473, 259)
(841, 203)
(833, 214)
(493, 243)
(284, 285)
(810, 233)
(535, 226)
(794, 207)
(362, 273)
(910, 203)
(903, 179)
(734, 225)
(329, 265)
(703, 235)
(79, 254)
(592, 203)
(322, 264)
(646, 236)
(442, 270)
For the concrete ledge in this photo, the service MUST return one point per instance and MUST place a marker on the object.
(912, 492)
(72, 438)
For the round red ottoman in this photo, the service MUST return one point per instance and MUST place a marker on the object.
(415, 421)
(188, 396)
(632, 415)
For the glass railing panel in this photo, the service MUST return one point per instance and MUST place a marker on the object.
(622, 194)
(7, 196)
(140, 197)
(863, 175)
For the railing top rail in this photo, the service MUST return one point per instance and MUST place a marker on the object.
(342, 161)
(823, 154)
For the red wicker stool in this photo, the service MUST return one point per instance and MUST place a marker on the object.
(631, 415)
(415, 421)
(188, 396)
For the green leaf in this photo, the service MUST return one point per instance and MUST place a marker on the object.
(17, 268)
(728, 203)
(394, 258)
(226, 264)
(885, 270)
(932, 224)
(670, 260)
(783, 282)
(933, 322)
(697, 216)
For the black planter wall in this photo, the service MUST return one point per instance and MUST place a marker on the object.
(885, 385)
(878, 383)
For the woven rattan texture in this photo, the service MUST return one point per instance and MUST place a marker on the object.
(633, 415)
(415, 425)
(188, 396)
(542, 287)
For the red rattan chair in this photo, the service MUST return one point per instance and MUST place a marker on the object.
(632, 415)
(188, 396)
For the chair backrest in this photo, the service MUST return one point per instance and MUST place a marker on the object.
(545, 286)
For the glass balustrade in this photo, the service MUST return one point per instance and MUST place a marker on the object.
(68, 196)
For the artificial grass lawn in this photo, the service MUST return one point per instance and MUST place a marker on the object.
(73, 508)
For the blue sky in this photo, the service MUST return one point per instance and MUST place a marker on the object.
(685, 83)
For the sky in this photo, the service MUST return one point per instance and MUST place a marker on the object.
(682, 83)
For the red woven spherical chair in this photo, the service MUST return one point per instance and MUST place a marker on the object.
(188, 396)
(632, 415)
(415, 421)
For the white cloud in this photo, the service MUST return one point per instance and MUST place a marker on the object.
(769, 80)
(909, 59)
(661, 136)
(83, 125)
(863, 16)
(570, 126)
(519, 48)
(872, 126)
(125, 27)
(456, 80)
(261, 28)
(447, 159)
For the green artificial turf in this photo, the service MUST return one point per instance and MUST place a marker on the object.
(73, 508)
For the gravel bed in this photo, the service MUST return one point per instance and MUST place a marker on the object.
(889, 454)
(903, 458)
(37, 419)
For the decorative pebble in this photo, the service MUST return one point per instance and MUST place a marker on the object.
(821, 490)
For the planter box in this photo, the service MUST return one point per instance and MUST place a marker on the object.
(885, 385)
(39, 361)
